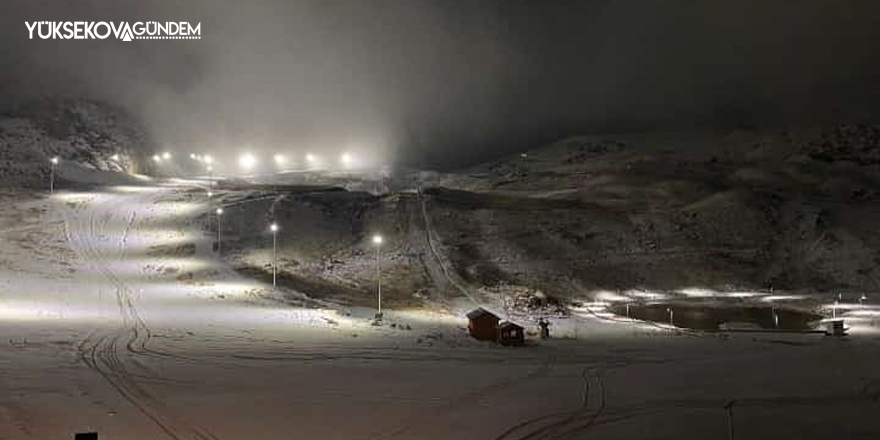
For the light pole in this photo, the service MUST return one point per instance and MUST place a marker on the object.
(729, 407)
(862, 300)
(671, 316)
(377, 241)
(219, 231)
(274, 228)
(54, 161)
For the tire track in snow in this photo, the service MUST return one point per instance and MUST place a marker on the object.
(549, 425)
(101, 353)
(430, 233)
(471, 396)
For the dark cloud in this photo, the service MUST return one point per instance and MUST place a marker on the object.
(446, 82)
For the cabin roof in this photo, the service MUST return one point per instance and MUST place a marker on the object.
(508, 324)
(479, 311)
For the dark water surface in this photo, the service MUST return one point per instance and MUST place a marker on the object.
(700, 317)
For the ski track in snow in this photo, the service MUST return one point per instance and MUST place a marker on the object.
(430, 235)
(109, 231)
(108, 353)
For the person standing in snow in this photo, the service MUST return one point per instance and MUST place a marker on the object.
(545, 328)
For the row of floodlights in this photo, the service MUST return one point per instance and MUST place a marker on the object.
(248, 161)
(56, 160)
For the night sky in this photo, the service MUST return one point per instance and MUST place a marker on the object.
(449, 82)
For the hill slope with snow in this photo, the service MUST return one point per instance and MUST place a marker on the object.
(81, 133)
(662, 212)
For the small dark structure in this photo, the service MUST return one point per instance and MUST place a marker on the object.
(86, 436)
(508, 333)
(482, 324)
(836, 328)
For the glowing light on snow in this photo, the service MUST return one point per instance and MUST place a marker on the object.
(743, 294)
(428, 317)
(776, 298)
(279, 159)
(606, 295)
(865, 313)
(165, 210)
(157, 158)
(129, 189)
(596, 306)
(840, 306)
(274, 227)
(9, 312)
(54, 160)
(208, 159)
(39, 311)
(377, 240)
(76, 197)
(166, 156)
(697, 292)
(644, 294)
(115, 158)
(247, 161)
(148, 268)
(219, 211)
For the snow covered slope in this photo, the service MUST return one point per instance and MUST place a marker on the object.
(661, 212)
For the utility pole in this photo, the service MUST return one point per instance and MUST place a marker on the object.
(54, 161)
(274, 228)
(729, 408)
(379, 278)
(219, 231)
(377, 240)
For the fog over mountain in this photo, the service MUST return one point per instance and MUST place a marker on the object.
(448, 83)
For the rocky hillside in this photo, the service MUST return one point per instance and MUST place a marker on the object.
(82, 132)
(789, 210)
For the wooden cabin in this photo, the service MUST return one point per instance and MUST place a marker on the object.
(482, 324)
(508, 333)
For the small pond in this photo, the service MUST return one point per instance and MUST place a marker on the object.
(701, 317)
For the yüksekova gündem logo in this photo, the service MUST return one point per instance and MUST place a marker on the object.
(102, 30)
